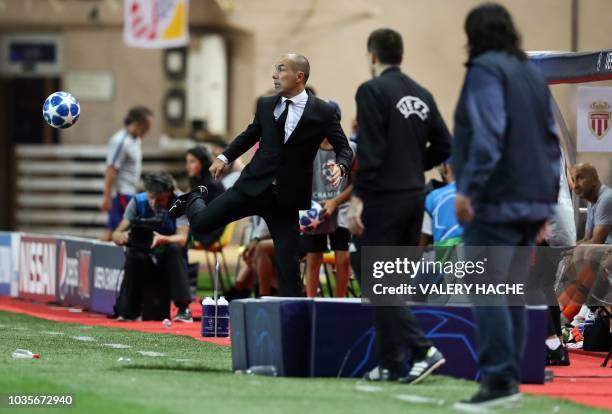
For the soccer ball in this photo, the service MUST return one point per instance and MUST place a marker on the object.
(61, 110)
(312, 218)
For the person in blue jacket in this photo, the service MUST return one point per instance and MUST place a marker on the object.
(162, 259)
(506, 161)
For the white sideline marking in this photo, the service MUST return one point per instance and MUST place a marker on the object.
(52, 333)
(368, 388)
(151, 353)
(181, 359)
(83, 338)
(418, 399)
(117, 346)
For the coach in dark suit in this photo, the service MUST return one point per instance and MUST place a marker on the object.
(278, 180)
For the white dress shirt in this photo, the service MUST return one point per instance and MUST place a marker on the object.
(296, 110)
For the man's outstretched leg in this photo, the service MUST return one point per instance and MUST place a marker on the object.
(228, 207)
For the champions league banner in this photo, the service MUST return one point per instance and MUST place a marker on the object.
(9, 259)
(74, 267)
(37, 268)
(107, 275)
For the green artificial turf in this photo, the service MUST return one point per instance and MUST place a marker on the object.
(194, 377)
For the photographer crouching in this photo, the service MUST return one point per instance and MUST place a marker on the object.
(155, 255)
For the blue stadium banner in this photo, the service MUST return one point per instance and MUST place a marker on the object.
(108, 260)
(9, 259)
(74, 269)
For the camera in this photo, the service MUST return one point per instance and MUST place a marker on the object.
(141, 233)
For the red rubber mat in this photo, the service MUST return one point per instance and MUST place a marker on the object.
(72, 315)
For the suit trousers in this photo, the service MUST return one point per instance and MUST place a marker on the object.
(393, 220)
(282, 222)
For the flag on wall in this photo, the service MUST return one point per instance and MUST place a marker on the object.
(156, 24)
(593, 124)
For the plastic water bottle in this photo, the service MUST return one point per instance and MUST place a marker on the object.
(24, 354)
(223, 318)
(215, 324)
(208, 317)
(267, 370)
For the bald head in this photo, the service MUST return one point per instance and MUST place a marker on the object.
(290, 74)
(585, 168)
(299, 64)
(586, 181)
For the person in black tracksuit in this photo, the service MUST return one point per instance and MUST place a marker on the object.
(401, 135)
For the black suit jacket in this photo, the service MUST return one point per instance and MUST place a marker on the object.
(289, 163)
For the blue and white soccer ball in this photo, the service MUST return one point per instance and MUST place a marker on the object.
(312, 218)
(61, 110)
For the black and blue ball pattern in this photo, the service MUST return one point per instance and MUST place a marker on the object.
(61, 110)
(312, 218)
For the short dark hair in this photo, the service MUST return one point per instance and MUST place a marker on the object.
(490, 27)
(137, 114)
(158, 183)
(387, 46)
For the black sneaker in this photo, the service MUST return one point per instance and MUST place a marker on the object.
(424, 367)
(488, 398)
(183, 316)
(380, 374)
(557, 357)
(179, 205)
(129, 318)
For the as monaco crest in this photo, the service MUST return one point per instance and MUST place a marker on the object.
(599, 119)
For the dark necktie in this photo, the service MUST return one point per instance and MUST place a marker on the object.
(282, 119)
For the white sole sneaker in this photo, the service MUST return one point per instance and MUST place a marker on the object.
(510, 401)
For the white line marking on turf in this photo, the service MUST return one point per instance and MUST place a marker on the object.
(151, 353)
(52, 333)
(181, 359)
(418, 399)
(368, 388)
(83, 338)
(117, 346)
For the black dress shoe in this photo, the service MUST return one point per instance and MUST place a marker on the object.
(179, 205)
(558, 356)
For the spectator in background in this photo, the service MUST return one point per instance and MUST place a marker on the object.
(258, 259)
(560, 235)
(598, 228)
(598, 231)
(231, 171)
(440, 225)
(335, 228)
(123, 166)
(197, 163)
(507, 185)
(164, 259)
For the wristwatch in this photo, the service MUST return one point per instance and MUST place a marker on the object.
(342, 169)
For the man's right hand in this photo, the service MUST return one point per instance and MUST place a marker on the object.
(106, 204)
(216, 169)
